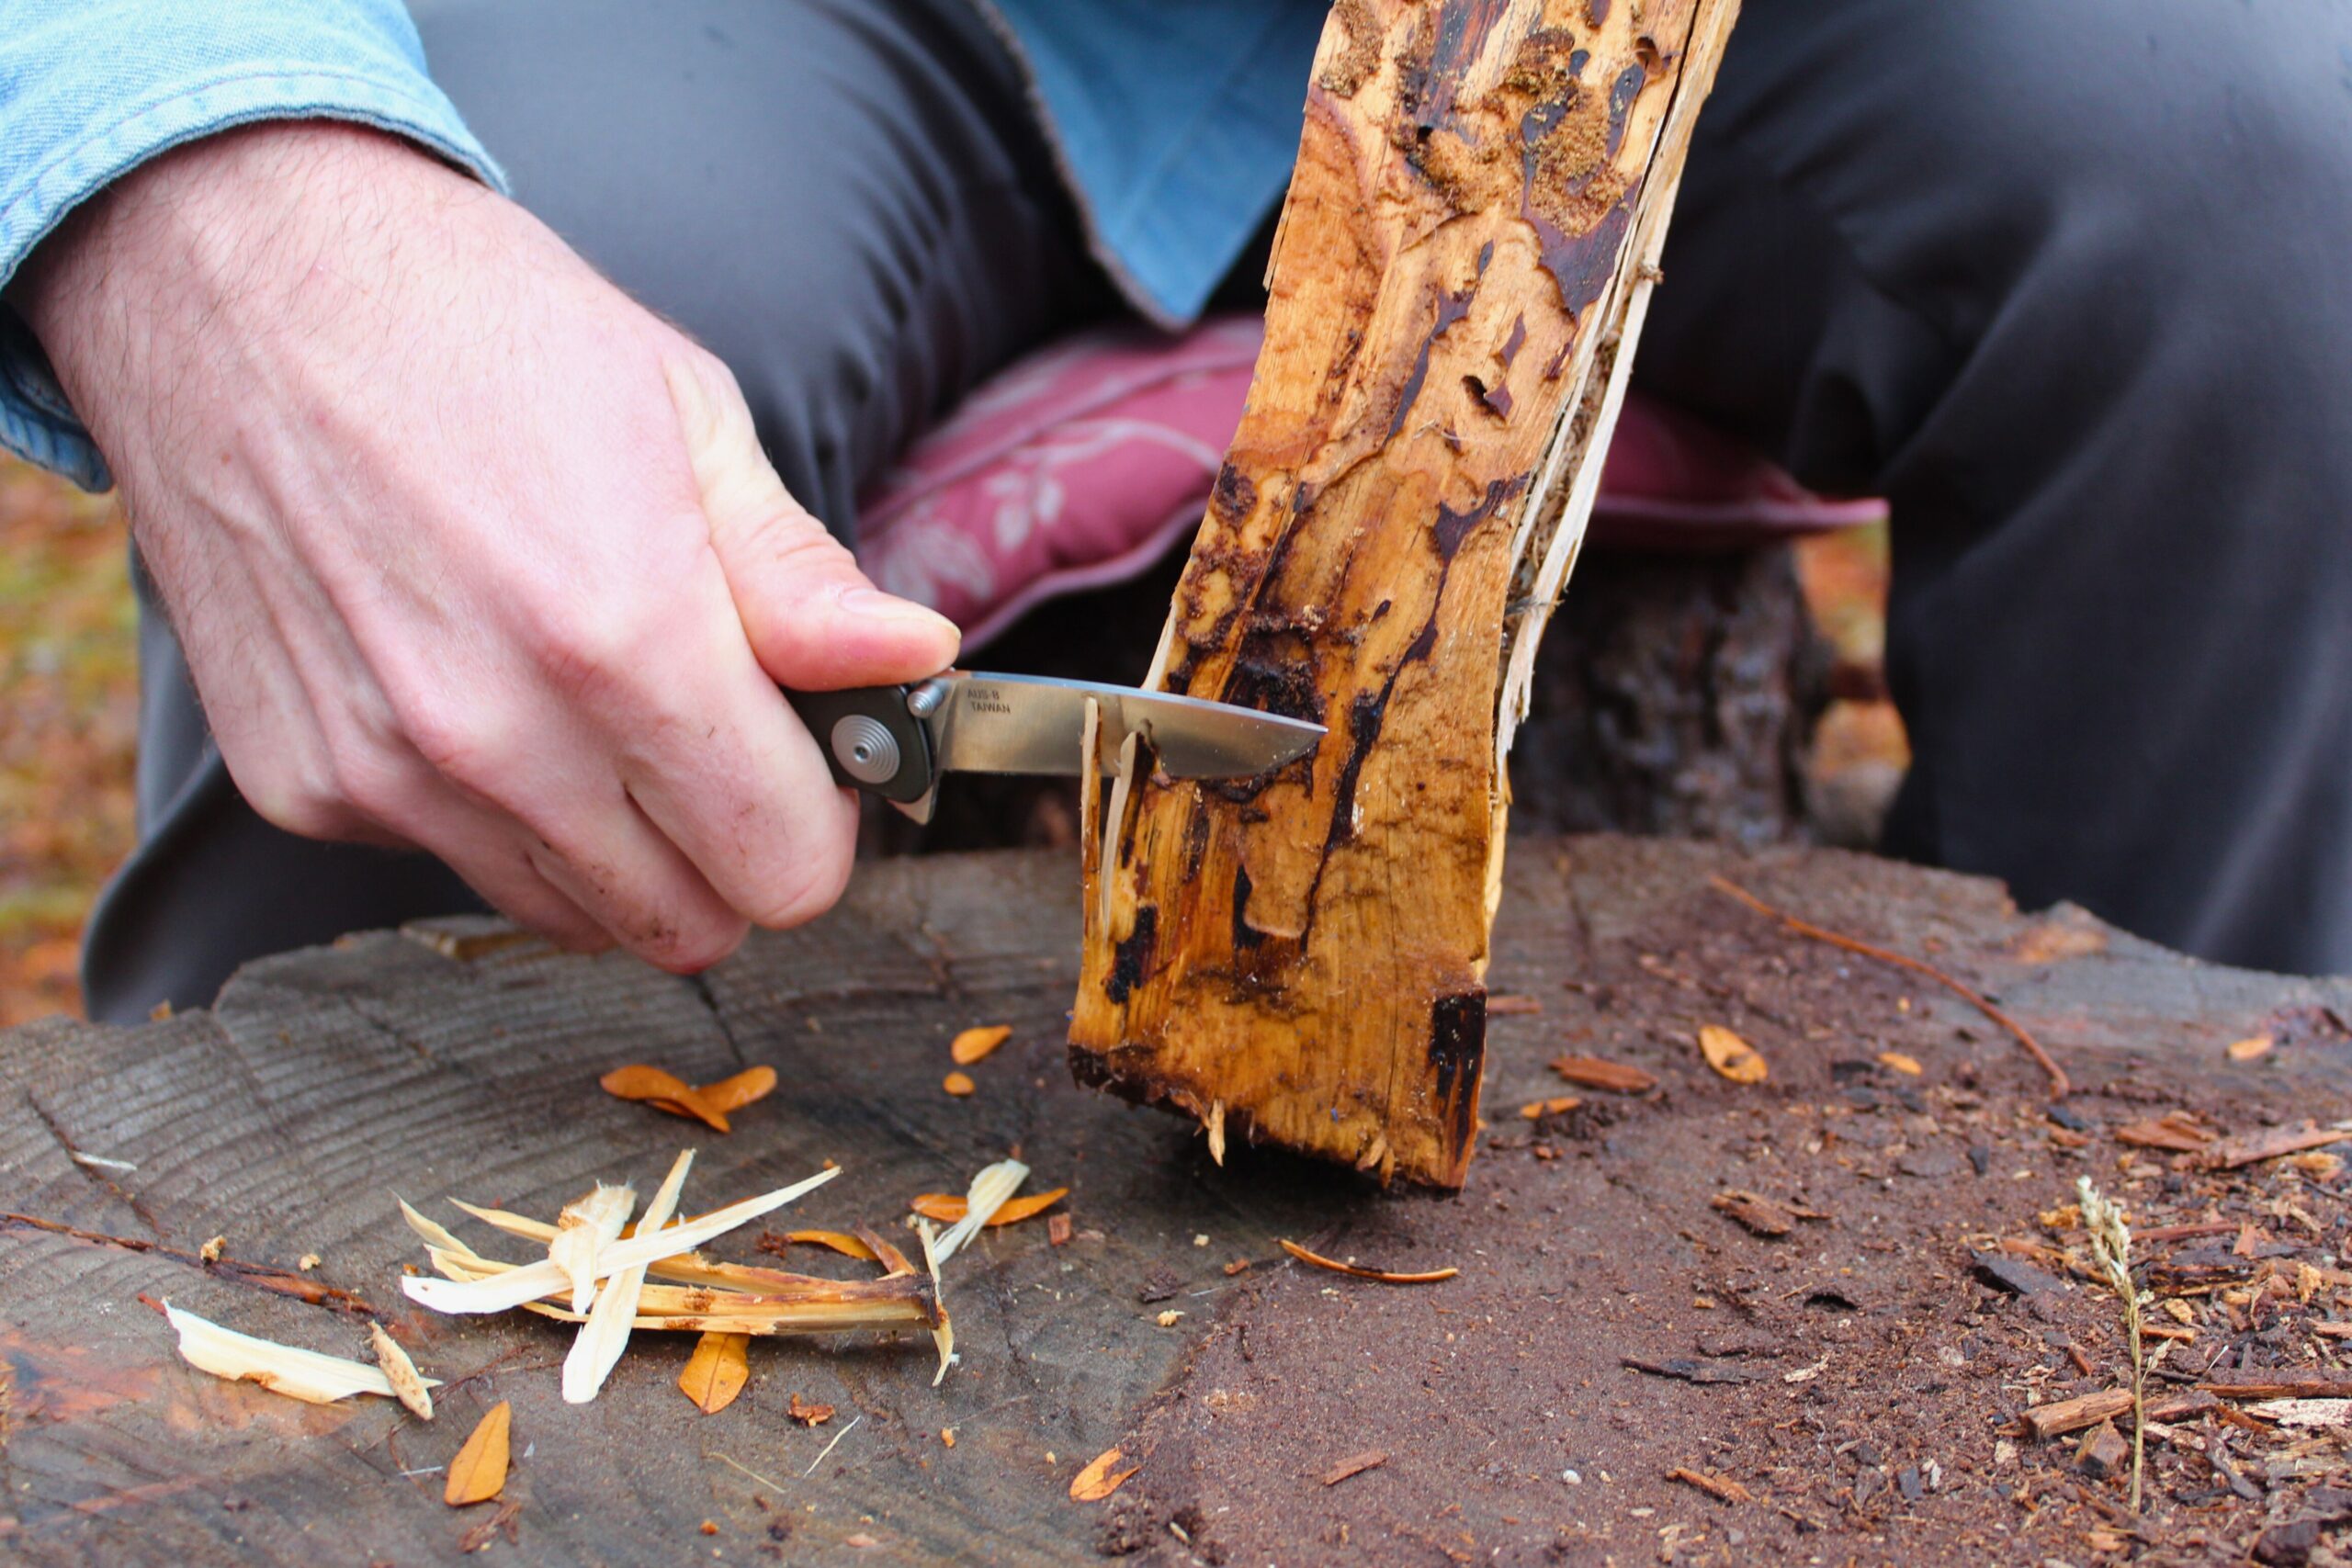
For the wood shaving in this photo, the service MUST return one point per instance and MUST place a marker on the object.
(717, 1372)
(307, 1375)
(987, 1194)
(1897, 1062)
(1354, 1464)
(1101, 1477)
(842, 1242)
(400, 1372)
(1731, 1057)
(958, 1084)
(1385, 1276)
(977, 1042)
(598, 1347)
(1536, 1110)
(479, 1473)
(586, 1226)
(664, 1092)
(946, 1208)
(1594, 1072)
(2251, 1050)
(808, 1414)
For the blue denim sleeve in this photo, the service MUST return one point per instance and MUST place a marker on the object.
(89, 89)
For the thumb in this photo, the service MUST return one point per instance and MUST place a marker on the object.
(814, 621)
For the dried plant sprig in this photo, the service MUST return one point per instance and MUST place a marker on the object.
(307, 1375)
(2110, 1239)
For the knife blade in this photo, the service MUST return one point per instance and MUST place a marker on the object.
(896, 741)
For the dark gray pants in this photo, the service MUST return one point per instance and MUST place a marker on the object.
(2065, 282)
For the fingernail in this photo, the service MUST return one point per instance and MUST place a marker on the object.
(877, 605)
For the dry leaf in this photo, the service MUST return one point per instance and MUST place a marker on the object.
(974, 1043)
(734, 1093)
(1907, 1066)
(990, 1189)
(946, 1208)
(665, 1091)
(302, 1374)
(1731, 1057)
(479, 1473)
(1101, 1478)
(1385, 1276)
(400, 1372)
(1535, 1109)
(958, 1084)
(2253, 1049)
(1593, 1072)
(717, 1372)
(808, 1414)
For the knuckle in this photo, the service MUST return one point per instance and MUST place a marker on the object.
(690, 946)
(458, 738)
(821, 874)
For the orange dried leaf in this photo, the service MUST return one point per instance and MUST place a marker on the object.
(974, 1043)
(717, 1372)
(958, 1084)
(1102, 1477)
(733, 1094)
(1907, 1066)
(664, 1092)
(1592, 1072)
(1385, 1276)
(947, 1208)
(1534, 1109)
(1731, 1057)
(809, 1415)
(479, 1473)
(839, 1241)
(2253, 1049)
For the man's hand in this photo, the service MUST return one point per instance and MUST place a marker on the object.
(468, 550)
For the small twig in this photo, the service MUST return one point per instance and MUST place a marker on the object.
(261, 1276)
(2060, 1085)
(845, 1432)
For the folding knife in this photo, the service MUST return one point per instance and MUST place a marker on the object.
(896, 741)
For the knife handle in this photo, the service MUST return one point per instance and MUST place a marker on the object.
(872, 739)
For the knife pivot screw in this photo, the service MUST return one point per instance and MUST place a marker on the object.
(865, 748)
(924, 697)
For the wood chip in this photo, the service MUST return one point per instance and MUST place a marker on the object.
(1385, 1276)
(947, 1208)
(1355, 1464)
(958, 1084)
(400, 1372)
(1690, 1369)
(1731, 1057)
(210, 1251)
(1594, 1072)
(809, 1415)
(2102, 1452)
(2251, 1050)
(842, 1242)
(665, 1091)
(1723, 1489)
(975, 1043)
(2046, 1421)
(307, 1375)
(1102, 1477)
(2175, 1134)
(2284, 1383)
(587, 1226)
(479, 1471)
(2252, 1148)
(717, 1372)
(599, 1345)
(1755, 1211)
(1907, 1066)
(1514, 1006)
(1536, 1110)
(992, 1188)
(1057, 1230)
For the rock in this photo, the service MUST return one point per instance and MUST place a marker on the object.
(2014, 1274)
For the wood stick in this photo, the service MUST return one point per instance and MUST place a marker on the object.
(2060, 1085)
(1459, 279)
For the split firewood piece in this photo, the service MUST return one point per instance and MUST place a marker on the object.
(604, 1336)
(987, 1194)
(408, 1384)
(717, 1372)
(307, 1375)
(975, 1043)
(1457, 286)
(947, 1209)
(1595, 1072)
(1385, 1276)
(479, 1471)
(587, 1226)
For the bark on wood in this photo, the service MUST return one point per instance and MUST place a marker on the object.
(1458, 281)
